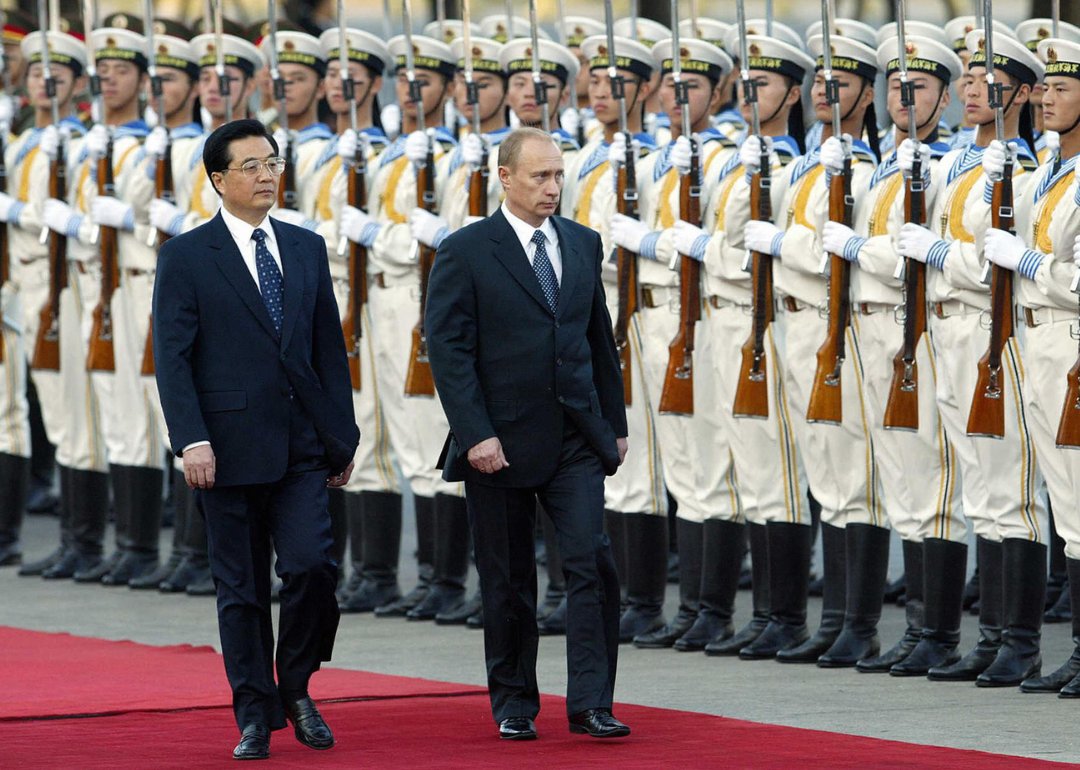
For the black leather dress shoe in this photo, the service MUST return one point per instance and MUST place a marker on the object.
(254, 743)
(310, 727)
(517, 729)
(599, 723)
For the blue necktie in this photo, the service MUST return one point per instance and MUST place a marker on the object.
(269, 279)
(545, 272)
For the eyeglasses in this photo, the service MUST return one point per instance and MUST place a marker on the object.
(251, 169)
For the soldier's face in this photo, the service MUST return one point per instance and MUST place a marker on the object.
(521, 96)
(534, 185)
(977, 103)
(702, 95)
(303, 88)
(1061, 103)
(931, 96)
(121, 82)
(491, 95)
(364, 85)
(853, 91)
(581, 85)
(14, 61)
(433, 92)
(961, 85)
(35, 85)
(210, 97)
(604, 104)
(176, 87)
(773, 90)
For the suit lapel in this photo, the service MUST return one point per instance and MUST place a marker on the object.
(571, 264)
(231, 264)
(509, 252)
(289, 248)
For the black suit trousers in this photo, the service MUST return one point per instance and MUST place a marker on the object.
(245, 525)
(503, 521)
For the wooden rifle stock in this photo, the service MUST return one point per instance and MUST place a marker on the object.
(478, 186)
(987, 415)
(752, 389)
(352, 323)
(163, 181)
(101, 357)
(902, 407)
(1068, 433)
(677, 396)
(626, 196)
(47, 345)
(826, 402)
(418, 379)
(287, 198)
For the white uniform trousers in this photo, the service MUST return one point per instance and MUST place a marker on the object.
(839, 459)
(417, 425)
(638, 487)
(1002, 486)
(920, 477)
(373, 468)
(14, 408)
(698, 469)
(82, 444)
(772, 481)
(34, 289)
(1049, 353)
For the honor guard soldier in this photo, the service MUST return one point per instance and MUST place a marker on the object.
(916, 461)
(395, 287)
(649, 33)
(933, 32)
(558, 71)
(30, 167)
(25, 286)
(728, 119)
(635, 500)
(580, 113)
(372, 495)
(856, 30)
(17, 25)
(495, 28)
(696, 461)
(449, 30)
(1002, 486)
(1049, 313)
(771, 478)
(839, 457)
(1030, 33)
(956, 31)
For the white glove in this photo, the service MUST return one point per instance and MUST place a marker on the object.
(833, 152)
(111, 212)
(472, 150)
(281, 137)
(472, 220)
(628, 232)
(7, 110)
(97, 141)
(1003, 249)
(680, 154)
(156, 143)
(416, 148)
(347, 145)
(905, 157)
(427, 228)
(290, 217)
(914, 241)
(57, 215)
(49, 141)
(834, 237)
(760, 236)
(353, 222)
(685, 236)
(163, 214)
(1053, 142)
(450, 116)
(7, 203)
(994, 159)
(616, 154)
(750, 153)
(570, 121)
(390, 117)
(650, 123)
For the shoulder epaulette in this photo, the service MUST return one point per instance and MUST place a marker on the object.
(1028, 163)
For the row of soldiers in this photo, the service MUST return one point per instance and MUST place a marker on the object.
(736, 482)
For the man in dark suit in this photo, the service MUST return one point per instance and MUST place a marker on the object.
(521, 348)
(254, 383)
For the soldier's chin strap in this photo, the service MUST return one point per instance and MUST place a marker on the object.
(778, 108)
(1008, 105)
(933, 115)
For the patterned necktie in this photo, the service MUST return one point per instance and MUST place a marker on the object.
(545, 272)
(269, 279)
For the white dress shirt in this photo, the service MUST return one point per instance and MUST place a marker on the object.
(524, 232)
(241, 234)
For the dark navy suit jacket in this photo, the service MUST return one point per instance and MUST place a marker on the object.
(505, 365)
(223, 374)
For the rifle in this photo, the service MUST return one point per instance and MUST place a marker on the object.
(987, 415)
(826, 403)
(752, 388)
(287, 197)
(352, 323)
(47, 345)
(478, 180)
(418, 379)
(677, 396)
(902, 407)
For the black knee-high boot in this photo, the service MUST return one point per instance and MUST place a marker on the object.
(867, 570)
(179, 494)
(789, 579)
(14, 481)
(451, 559)
(724, 547)
(944, 572)
(1024, 596)
(759, 587)
(913, 610)
(144, 489)
(425, 557)
(834, 593)
(647, 589)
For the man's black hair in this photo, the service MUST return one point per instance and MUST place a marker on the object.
(216, 153)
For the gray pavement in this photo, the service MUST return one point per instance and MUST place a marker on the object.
(913, 710)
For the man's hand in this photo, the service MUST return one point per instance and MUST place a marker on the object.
(200, 465)
(342, 478)
(487, 456)
(623, 447)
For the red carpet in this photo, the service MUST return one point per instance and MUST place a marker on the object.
(403, 724)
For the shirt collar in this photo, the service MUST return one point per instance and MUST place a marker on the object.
(524, 231)
(241, 231)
